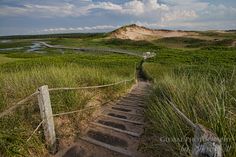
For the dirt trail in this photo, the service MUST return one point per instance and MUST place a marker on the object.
(116, 132)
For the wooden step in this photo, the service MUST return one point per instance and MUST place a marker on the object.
(107, 146)
(108, 138)
(116, 129)
(129, 101)
(138, 94)
(124, 110)
(129, 104)
(125, 120)
(123, 115)
(127, 107)
(133, 98)
(121, 125)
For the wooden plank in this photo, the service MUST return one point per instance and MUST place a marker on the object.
(44, 103)
(126, 113)
(107, 146)
(125, 120)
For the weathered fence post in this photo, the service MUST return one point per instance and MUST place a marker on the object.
(125, 85)
(135, 73)
(47, 117)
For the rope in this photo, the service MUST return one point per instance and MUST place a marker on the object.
(9, 110)
(35, 131)
(71, 112)
(59, 114)
(189, 122)
(91, 107)
(91, 87)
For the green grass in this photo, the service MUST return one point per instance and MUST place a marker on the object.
(19, 79)
(228, 35)
(197, 74)
(4, 59)
(192, 43)
(202, 83)
(16, 43)
(101, 42)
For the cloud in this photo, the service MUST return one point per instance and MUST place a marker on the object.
(136, 7)
(60, 9)
(179, 15)
(6, 11)
(219, 11)
(107, 6)
(63, 9)
(64, 15)
(98, 28)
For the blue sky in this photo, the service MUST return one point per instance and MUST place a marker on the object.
(66, 16)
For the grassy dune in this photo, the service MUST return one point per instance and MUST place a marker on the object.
(4, 59)
(202, 84)
(21, 78)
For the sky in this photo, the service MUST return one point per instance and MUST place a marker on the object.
(19, 17)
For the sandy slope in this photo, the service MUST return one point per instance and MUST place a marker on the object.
(134, 32)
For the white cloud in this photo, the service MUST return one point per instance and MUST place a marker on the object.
(179, 15)
(107, 6)
(153, 13)
(136, 7)
(98, 28)
(6, 11)
(60, 10)
(133, 7)
(219, 10)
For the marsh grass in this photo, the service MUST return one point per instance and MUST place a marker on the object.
(21, 78)
(206, 98)
(4, 59)
(186, 75)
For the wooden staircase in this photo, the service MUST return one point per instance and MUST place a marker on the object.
(116, 131)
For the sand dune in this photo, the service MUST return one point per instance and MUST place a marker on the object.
(135, 32)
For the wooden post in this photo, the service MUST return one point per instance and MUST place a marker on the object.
(206, 143)
(125, 86)
(47, 117)
(135, 73)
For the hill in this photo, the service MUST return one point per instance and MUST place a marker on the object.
(135, 32)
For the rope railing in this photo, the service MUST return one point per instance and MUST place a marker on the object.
(80, 110)
(59, 114)
(63, 114)
(92, 87)
(76, 111)
(35, 130)
(46, 110)
(16, 105)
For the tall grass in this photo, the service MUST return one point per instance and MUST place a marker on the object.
(4, 59)
(207, 98)
(22, 78)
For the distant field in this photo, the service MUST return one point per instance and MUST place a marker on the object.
(15, 43)
(4, 59)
